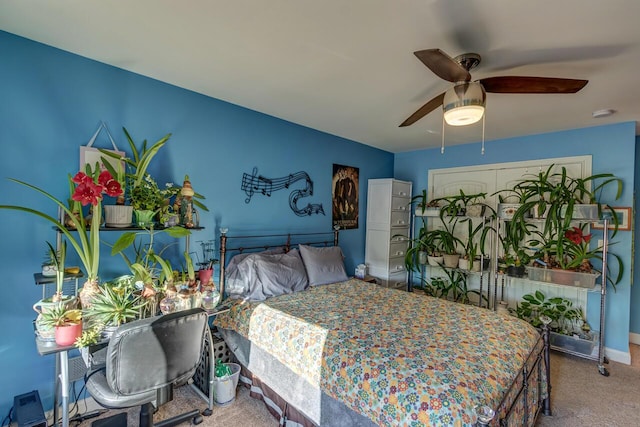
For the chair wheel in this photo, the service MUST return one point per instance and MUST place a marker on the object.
(207, 412)
(197, 419)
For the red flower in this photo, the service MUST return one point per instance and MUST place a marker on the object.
(112, 187)
(81, 177)
(576, 236)
(88, 191)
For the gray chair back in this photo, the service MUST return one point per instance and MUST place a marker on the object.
(153, 353)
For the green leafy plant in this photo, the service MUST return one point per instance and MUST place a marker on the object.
(57, 259)
(563, 315)
(144, 265)
(113, 306)
(89, 337)
(60, 315)
(474, 245)
(88, 188)
(142, 190)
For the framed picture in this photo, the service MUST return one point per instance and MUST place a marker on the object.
(624, 220)
(345, 196)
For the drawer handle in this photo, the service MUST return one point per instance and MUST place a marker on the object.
(401, 193)
(401, 222)
(399, 268)
(403, 208)
(399, 253)
(400, 239)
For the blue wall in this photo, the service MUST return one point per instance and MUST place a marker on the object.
(613, 150)
(52, 102)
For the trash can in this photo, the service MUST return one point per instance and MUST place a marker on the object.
(224, 388)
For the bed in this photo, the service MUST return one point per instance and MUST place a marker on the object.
(348, 352)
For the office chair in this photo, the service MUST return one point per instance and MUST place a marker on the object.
(144, 359)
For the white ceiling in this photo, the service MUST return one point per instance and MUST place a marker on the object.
(347, 67)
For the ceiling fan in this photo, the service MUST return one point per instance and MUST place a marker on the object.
(463, 103)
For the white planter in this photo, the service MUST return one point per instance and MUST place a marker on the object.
(451, 260)
(435, 261)
(507, 210)
(463, 264)
(432, 212)
(118, 216)
(49, 270)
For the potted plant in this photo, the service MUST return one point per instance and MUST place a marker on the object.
(423, 249)
(57, 257)
(569, 328)
(88, 188)
(67, 323)
(565, 319)
(581, 194)
(457, 205)
(538, 191)
(113, 306)
(143, 192)
(512, 203)
(571, 251)
(473, 244)
(425, 207)
(437, 287)
(49, 268)
(449, 244)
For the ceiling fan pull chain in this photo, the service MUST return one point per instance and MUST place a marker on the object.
(484, 117)
(442, 147)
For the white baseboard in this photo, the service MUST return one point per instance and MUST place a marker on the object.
(634, 338)
(618, 356)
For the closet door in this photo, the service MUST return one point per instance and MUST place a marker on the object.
(491, 178)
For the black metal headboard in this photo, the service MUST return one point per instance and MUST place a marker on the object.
(253, 244)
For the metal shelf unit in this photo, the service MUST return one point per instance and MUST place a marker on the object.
(599, 336)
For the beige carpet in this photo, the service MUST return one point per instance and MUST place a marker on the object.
(581, 397)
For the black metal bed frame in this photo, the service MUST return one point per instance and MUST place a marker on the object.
(312, 239)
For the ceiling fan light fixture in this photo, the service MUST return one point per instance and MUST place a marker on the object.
(464, 103)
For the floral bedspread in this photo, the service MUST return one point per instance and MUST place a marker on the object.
(398, 358)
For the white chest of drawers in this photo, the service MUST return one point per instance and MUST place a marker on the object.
(387, 234)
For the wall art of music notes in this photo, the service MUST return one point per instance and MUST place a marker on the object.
(258, 184)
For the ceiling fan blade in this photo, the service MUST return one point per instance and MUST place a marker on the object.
(523, 84)
(424, 110)
(443, 65)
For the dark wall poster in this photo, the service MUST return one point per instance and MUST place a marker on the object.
(345, 192)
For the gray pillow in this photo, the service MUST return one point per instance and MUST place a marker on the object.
(260, 276)
(235, 282)
(323, 265)
(278, 275)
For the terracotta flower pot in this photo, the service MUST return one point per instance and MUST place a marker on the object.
(66, 335)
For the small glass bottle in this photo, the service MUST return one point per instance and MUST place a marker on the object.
(184, 299)
(168, 303)
(210, 296)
